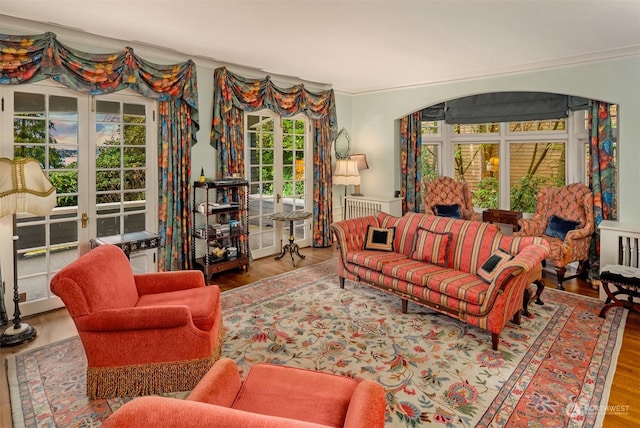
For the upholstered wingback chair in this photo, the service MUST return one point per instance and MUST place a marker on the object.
(447, 192)
(141, 333)
(564, 217)
(270, 396)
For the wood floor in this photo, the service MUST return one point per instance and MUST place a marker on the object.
(624, 402)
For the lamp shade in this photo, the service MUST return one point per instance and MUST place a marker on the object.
(361, 159)
(24, 188)
(346, 172)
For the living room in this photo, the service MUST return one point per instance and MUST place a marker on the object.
(372, 116)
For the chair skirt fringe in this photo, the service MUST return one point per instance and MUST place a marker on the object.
(148, 379)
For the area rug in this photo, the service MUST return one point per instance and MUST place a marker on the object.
(555, 369)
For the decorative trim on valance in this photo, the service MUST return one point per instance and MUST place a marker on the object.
(27, 59)
(256, 94)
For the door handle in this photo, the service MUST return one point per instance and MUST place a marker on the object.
(84, 220)
(278, 197)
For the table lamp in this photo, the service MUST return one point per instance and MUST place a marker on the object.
(362, 164)
(346, 173)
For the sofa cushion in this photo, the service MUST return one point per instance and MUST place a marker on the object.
(373, 259)
(558, 227)
(295, 393)
(200, 300)
(490, 267)
(450, 282)
(448, 211)
(379, 238)
(431, 247)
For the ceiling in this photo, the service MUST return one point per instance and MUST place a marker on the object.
(360, 46)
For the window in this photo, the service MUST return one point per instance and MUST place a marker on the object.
(504, 163)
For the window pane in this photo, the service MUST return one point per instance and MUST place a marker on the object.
(534, 165)
(539, 126)
(480, 128)
(431, 128)
(477, 164)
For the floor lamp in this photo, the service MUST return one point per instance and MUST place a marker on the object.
(346, 173)
(24, 188)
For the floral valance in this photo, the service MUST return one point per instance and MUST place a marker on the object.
(37, 57)
(256, 94)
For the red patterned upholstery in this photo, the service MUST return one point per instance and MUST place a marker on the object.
(447, 191)
(573, 202)
(271, 396)
(141, 333)
(453, 288)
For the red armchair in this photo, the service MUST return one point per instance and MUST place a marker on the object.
(572, 203)
(141, 333)
(270, 397)
(447, 191)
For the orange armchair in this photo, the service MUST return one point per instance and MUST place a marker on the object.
(141, 333)
(447, 191)
(270, 397)
(558, 205)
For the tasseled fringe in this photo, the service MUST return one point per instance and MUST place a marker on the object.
(148, 379)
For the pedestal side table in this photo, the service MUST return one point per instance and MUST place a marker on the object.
(290, 216)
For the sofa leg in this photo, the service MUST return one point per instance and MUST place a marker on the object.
(517, 318)
(495, 340)
(405, 305)
(540, 284)
(341, 282)
(560, 274)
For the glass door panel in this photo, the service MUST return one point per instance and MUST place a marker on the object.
(47, 126)
(279, 179)
(261, 170)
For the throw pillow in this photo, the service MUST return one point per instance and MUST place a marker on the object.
(490, 267)
(558, 227)
(431, 247)
(379, 238)
(448, 211)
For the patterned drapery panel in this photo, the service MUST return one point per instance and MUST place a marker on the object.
(233, 92)
(32, 58)
(602, 174)
(410, 149)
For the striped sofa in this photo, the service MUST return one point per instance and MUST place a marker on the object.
(458, 287)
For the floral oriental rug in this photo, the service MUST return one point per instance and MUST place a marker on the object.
(552, 370)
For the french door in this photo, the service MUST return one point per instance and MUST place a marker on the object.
(99, 154)
(279, 165)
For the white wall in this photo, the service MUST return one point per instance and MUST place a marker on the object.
(373, 117)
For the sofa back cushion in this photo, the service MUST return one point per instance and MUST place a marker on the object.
(431, 247)
(471, 243)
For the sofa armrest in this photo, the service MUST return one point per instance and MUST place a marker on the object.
(162, 282)
(219, 386)
(155, 411)
(367, 406)
(135, 318)
(578, 234)
(522, 263)
(531, 226)
(351, 234)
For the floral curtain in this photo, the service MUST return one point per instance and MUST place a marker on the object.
(31, 58)
(234, 94)
(410, 149)
(602, 174)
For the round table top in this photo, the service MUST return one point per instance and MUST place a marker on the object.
(290, 215)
